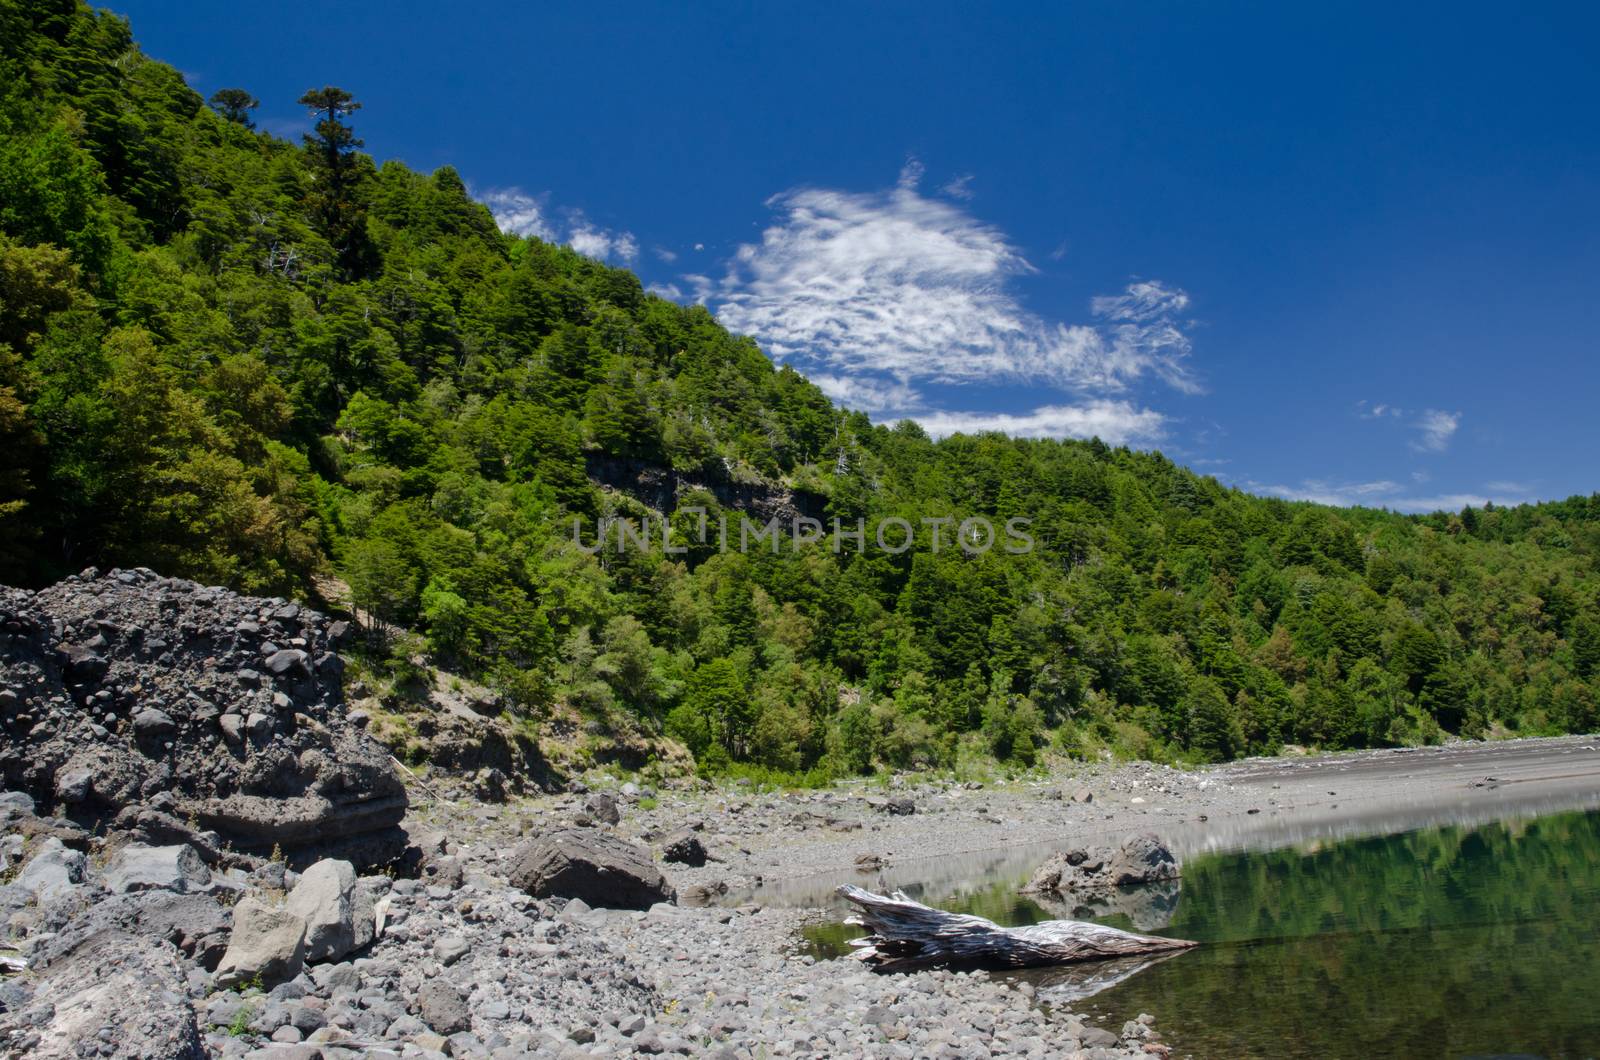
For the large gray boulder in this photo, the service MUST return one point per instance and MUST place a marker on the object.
(171, 868)
(52, 872)
(114, 995)
(603, 869)
(325, 900)
(197, 924)
(267, 945)
(1138, 859)
(1142, 858)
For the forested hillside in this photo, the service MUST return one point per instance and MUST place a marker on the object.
(253, 362)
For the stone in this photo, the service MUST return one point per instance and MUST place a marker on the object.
(267, 945)
(74, 785)
(1097, 1038)
(489, 785)
(113, 994)
(1142, 858)
(1139, 859)
(442, 1007)
(153, 724)
(171, 868)
(323, 899)
(176, 656)
(602, 807)
(450, 949)
(84, 663)
(900, 807)
(683, 847)
(52, 872)
(1083, 795)
(260, 727)
(702, 894)
(290, 662)
(603, 869)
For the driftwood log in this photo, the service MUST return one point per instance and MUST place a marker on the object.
(907, 934)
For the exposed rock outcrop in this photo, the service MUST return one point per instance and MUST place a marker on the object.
(128, 689)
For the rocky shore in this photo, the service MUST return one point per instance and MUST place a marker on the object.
(204, 853)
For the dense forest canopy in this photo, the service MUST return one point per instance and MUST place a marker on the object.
(254, 362)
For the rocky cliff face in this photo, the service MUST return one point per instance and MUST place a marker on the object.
(127, 694)
(660, 487)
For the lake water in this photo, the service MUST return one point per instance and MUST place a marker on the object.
(1456, 941)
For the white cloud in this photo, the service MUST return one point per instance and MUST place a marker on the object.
(959, 188)
(601, 243)
(868, 393)
(1114, 422)
(899, 284)
(1384, 493)
(701, 285)
(1377, 411)
(1437, 429)
(668, 256)
(670, 291)
(520, 213)
(1520, 489)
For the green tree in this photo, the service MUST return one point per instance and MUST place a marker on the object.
(235, 105)
(332, 198)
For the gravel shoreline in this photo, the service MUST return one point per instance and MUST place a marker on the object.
(468, 964)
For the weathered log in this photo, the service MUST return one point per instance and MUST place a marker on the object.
(907, 934)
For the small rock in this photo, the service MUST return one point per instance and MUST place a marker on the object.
(684, 848)
(442, 1007)
(153, 724)
(450, 949)
(602, 807)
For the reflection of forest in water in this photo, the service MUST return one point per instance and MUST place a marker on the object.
(1442, 942)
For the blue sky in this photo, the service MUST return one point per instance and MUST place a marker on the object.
(1343, 252)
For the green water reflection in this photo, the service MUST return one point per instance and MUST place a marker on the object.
(1446, 942)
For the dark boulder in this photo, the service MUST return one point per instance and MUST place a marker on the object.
(602, 807)
(684, 848)
(602, 869)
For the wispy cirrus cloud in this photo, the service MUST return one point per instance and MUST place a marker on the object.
(884, 298)
(1385, 493)
(1377, 410)
(918, 289)
(523, 214)
(1114, 422)
(959, 188)
(868, 393)
(1436, 429)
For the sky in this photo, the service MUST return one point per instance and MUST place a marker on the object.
(1346, 253)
